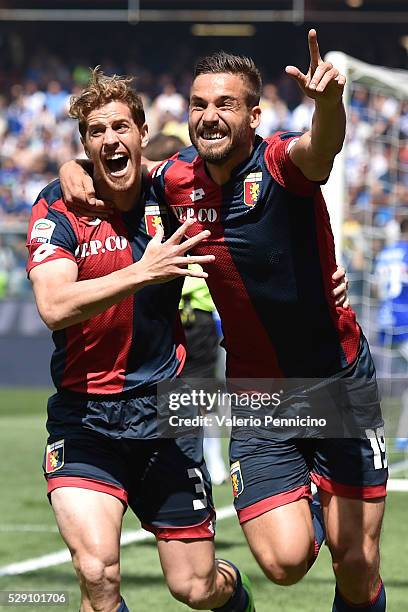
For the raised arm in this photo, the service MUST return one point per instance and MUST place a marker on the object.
(315, 150)
(62, 300)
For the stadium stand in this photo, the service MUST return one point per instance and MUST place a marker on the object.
(36, 136)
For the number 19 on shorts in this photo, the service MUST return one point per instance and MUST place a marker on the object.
(377, 440)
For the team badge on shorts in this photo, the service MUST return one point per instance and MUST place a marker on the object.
(236, 479)
(152, 218)
(252, 188)
(54, 457)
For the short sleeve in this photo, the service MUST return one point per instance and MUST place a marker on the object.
(282, 168)
(50, 235)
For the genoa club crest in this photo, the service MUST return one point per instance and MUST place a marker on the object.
(54, 457)
(153, 218)
(252, 188)
(236, 479)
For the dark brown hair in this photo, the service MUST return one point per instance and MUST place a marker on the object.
(162, 146)
(221, 62)
(101, 90)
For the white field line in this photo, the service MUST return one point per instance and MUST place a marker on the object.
(398, 484)
(28, 528)
(139, 535)
(63, 556)
(398, 467)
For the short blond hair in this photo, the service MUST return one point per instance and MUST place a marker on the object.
(101, 90)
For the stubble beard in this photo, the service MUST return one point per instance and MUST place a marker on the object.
(219, 156)
(215, 157)
(119, 185)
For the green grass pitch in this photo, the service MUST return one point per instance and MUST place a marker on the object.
(27, 531)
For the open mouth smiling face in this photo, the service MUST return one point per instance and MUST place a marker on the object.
(212, 138)
(113, 141)
(207, 134)
(221, 124)
(117, 164)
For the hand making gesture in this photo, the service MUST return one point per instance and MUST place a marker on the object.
(322, 81)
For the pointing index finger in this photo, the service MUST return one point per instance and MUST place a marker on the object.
(315, 57)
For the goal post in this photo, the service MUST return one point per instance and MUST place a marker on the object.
(367, 198)
(374, 79)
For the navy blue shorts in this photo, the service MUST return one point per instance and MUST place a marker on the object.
(165, 482)
(266, 474)
(268, 471)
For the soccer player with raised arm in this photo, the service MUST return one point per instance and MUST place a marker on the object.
(271, 283)
(109, 290)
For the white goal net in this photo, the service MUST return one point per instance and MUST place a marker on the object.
(368, 201)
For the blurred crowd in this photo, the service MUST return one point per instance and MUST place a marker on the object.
(377, 155)
(377, 180)
(37, 136)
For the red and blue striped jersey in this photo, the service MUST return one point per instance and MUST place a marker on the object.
(274, 249)
(134, 344)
